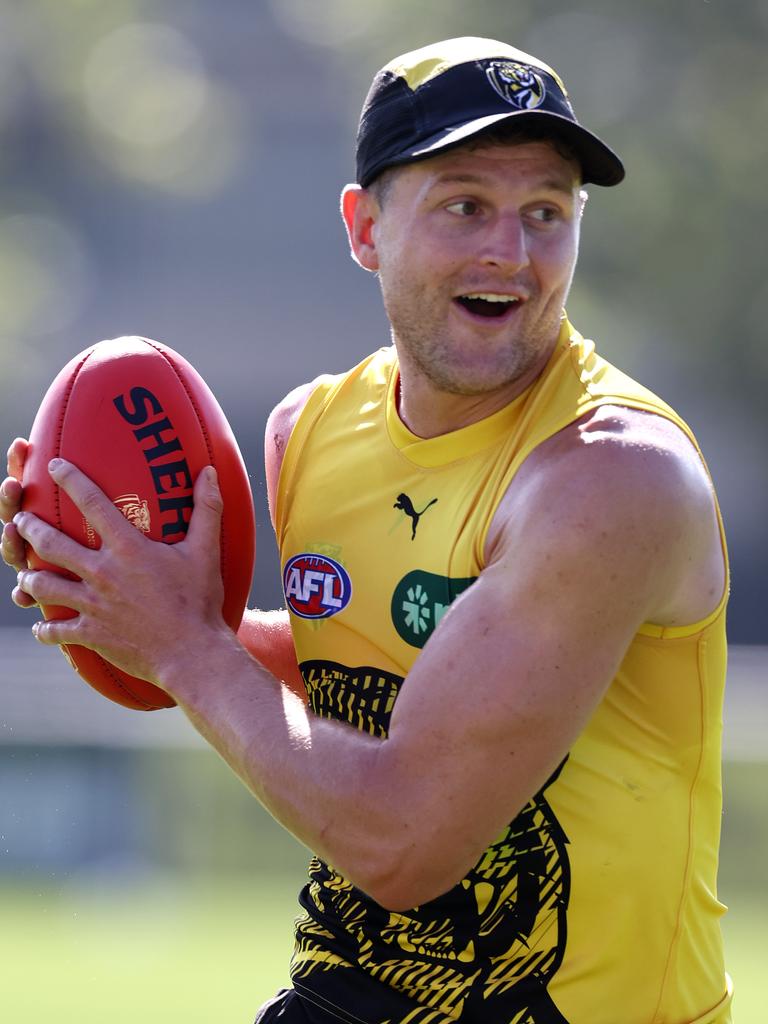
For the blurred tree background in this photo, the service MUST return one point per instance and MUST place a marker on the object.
(171, 168)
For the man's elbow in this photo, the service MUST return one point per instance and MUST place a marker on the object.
(409, 880)
(408, 854)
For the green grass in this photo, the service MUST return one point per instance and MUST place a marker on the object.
(193, 954)
(745, 929)
(744, 886)
(203, 953)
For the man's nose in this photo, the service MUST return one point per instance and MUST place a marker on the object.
(506, 244)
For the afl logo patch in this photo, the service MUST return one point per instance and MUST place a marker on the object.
(316, 586)
(518, 84)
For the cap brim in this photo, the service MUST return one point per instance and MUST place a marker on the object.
(600, 165)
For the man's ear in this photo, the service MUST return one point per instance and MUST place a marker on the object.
(360, 211)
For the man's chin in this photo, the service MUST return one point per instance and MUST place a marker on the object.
(470, 380)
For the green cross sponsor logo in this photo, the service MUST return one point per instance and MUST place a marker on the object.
(419, 602)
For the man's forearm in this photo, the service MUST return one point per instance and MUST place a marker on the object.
(317, 777)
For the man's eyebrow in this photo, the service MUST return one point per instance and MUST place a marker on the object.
(447, 178)
(548, 185)
(559, 185)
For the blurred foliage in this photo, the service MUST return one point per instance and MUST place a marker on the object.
(169, 167)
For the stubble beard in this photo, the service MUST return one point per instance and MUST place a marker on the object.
(470, 369)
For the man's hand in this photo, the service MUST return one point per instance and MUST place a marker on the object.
(138, 601)
(12, 546)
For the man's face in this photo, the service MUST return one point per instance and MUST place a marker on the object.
(475, 251)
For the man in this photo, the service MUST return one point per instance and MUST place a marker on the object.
(504, 566)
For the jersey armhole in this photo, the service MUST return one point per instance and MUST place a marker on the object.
(327, 386)
(313, 409)
(657, 632)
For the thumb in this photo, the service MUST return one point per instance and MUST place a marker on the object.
(205, 522)
(17, 454)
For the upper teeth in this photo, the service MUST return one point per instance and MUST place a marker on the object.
(491, 297)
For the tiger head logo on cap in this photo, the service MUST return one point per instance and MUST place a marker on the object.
(518, 84)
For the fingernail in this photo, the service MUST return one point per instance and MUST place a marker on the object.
(212, 475)
(54, 464)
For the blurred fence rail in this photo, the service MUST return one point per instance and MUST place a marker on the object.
(42, 702)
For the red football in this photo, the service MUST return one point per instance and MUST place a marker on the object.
(141, 422)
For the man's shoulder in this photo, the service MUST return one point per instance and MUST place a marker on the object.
(635, 434)
(285, 416)
(622, 456)
(280, 425)
(287, 411)
(628, 482)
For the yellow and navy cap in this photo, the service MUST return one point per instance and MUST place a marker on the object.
(442, 94)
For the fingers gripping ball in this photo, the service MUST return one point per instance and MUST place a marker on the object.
(139, 420)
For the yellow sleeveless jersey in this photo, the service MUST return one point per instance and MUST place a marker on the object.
(597, 905)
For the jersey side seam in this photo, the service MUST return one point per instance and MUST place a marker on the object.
(692, 809)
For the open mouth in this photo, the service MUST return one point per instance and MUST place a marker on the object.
(488, 304)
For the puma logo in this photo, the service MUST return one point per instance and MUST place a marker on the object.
(404, 502)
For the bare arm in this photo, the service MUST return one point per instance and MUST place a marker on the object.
(598, 533)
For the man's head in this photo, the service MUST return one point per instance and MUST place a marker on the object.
(444, 94)
(470, 214)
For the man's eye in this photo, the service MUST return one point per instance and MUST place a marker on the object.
(465, 208)
(546, 214)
